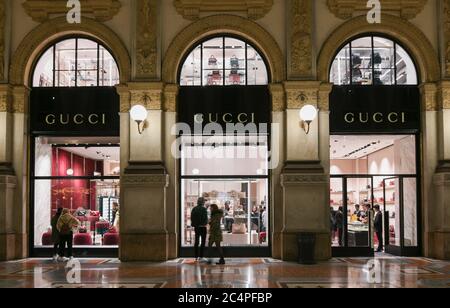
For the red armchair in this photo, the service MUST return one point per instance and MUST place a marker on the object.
(82, 239)
(111, 238)
(47, 239)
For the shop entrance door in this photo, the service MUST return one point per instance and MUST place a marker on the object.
(401, 216)
(352, 216)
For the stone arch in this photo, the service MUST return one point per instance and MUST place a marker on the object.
(40, 37)
(223, 24)
(408, 35)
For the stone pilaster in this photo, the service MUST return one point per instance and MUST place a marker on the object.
(304, 179)
(146, 40)
(144, 181)
(300, 39)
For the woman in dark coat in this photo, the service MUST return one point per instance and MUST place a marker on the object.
(55, 234)
(215, 231)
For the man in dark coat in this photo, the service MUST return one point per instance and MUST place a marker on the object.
(199, 220)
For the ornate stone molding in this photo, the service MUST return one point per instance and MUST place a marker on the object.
(345, 9)
(147, 94)
(2, 39)
(8, 181)
(301, 23)
(101, 10)
(124, 94)
(443, 89)
(6, 98)
(429, 95)
(403, 31)
(220, 24)
(145, 180)
(147, 39)
(278, 101)
(303, 179)
(170, 97)
(324, 96)
(41, 36)
(21, 96)
(300, 93)
(191, 9)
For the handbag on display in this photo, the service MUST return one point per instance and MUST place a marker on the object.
(239, 229)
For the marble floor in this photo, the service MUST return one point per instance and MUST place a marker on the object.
(385, 272)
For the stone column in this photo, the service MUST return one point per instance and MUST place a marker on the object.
(304, 178)
(144, 235)
(7, 176)
(440, 221)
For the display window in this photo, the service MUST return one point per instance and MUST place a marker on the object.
(224, 61)
(373, 60)
(239, 186)
(82, 177)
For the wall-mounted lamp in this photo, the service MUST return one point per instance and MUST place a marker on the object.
(139, 114)
(70, 171)
(307, 115)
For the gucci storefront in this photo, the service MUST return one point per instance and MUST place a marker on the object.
(374, 148)
(75, 146)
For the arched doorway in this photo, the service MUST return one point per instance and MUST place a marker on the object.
(75, 151)
(375, 127)
(224, 102)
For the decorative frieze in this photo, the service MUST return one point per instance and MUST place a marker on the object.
(147, 94)
(20, 99)
(42, 10)
(6, 98)
(301, 24)
(407, 9)
(191, 9)
(443, 95)
(147, 39)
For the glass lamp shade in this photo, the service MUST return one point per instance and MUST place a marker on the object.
(138, 113)
(308, 113)
(69, 172)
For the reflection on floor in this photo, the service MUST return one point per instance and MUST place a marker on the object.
(392, 272)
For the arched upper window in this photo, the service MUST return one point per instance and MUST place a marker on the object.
(224, 61)
(373, 60)
(76, 62)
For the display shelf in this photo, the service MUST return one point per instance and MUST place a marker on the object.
(381, 189)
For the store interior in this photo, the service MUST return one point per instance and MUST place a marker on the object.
(373, 165)
(84, 177)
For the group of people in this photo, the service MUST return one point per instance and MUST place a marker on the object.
(337, 220)
(259, 217)
(200, 222)
(63, 224)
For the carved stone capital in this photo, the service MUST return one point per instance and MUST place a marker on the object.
(147, 39)
(42, 10)
(303, 179)
(170, 97)
(21, 96)
(278, 97)
(443, 95)
(6, 98)
(407, 9)
(148, 94)
(124, 94)
(301, 93)
(429, 95)
(191, 9)
(133, 180)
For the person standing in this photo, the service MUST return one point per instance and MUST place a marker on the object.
(199, 220)
(339, 218)
(55, 234)
(378, 226)
(215, 231)
(66, 223)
